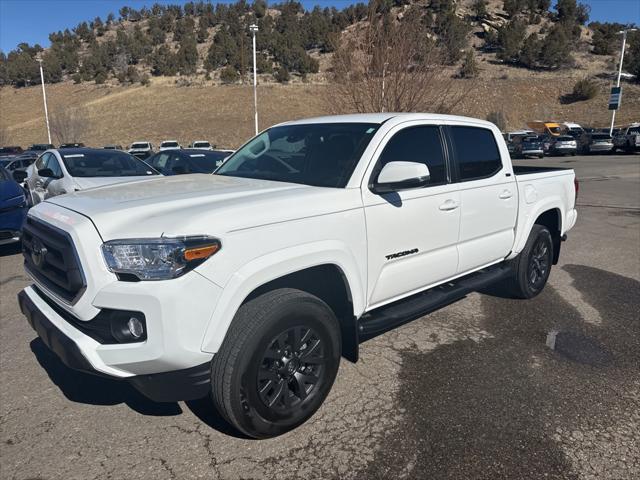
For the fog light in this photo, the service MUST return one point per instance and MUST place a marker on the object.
(136, 329)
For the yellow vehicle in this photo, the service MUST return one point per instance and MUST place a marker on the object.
(546, 128)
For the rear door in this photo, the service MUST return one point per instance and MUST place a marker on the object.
(412, 234)
(488, 195)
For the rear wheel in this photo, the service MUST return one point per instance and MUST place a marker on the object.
(533, 265)
(277, 364)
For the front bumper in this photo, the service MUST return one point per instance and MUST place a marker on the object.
(535, 152)
(600, 147)
(184, 384)
(564, 150)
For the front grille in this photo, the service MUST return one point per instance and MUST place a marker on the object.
(49, 255)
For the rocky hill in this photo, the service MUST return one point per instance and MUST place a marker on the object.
(183, 72)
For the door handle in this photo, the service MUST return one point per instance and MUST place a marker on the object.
(448, 206)
(505, 194)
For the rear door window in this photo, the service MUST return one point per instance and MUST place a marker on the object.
(476, 153)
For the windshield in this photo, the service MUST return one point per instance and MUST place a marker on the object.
(201, 144)
(600, 136)
(105, 163)
(205, 162)
(322, 154)
(555, 130)
(40, 147)
(634, 130)
(169, 144)
(139, 145)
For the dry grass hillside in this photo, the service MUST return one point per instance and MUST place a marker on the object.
(224, 114)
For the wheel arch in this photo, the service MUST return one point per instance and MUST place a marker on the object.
(332, 275)
(552, 219)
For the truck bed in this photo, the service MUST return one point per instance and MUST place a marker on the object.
(527, 170)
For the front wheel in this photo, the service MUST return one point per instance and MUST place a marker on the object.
(277, 363)
(533, 265)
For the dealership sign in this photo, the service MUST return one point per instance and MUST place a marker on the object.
(614, 99)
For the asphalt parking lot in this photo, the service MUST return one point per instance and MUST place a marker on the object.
(471, 391)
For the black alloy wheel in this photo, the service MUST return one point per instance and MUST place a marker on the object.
(291, 367)
(539, 262)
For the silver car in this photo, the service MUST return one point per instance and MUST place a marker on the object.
(57, 172)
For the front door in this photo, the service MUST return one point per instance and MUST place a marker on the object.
(412, 234)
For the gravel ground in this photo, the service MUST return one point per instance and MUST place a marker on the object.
(471, 391)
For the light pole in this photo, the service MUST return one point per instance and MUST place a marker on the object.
(44, 99)
(624, 44)
(254, 28)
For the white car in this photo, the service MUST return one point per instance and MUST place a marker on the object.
(57, 172)
(169, 145)
(201, 145)
(140, 147)
(250, 284)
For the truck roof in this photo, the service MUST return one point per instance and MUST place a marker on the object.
(383, 117)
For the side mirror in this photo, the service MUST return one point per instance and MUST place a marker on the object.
(46, 172)
(19, 175)
(396, 176)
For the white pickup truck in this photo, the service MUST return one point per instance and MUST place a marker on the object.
(251, 283)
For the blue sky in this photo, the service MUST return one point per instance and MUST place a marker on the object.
(31, 21)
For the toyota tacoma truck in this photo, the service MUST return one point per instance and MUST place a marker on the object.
(250, 284)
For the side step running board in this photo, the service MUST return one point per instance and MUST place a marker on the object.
(388, 317)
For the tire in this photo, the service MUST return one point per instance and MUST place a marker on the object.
(533, 265)
(266, 383)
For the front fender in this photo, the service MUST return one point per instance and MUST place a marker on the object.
(272, 266)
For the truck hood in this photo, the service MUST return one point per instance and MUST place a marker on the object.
(200, 204)
(90, 182)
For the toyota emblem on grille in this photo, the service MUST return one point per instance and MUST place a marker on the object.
(38, 252)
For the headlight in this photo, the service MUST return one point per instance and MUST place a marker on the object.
(157, 258)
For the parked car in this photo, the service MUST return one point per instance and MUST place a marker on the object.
(562, 145)
(13, 208)
(531, 146)
(8, 152)
(40, 147)
(57, 171)
(176, 162)
(573, 129)
(595, 142)
(627, 139)
(141, 149)
(511, 147)
(249, 284)
(112, 147)
(169, 145)
(72, 145)
(201, 145)
(17, 163)
(551, 129)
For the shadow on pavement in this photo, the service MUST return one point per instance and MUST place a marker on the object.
(94, 390)
(502, 407)
(207, 413)
(90, 389)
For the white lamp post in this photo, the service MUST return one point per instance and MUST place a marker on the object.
(44, 99)
(253, 28)
(624, 44)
